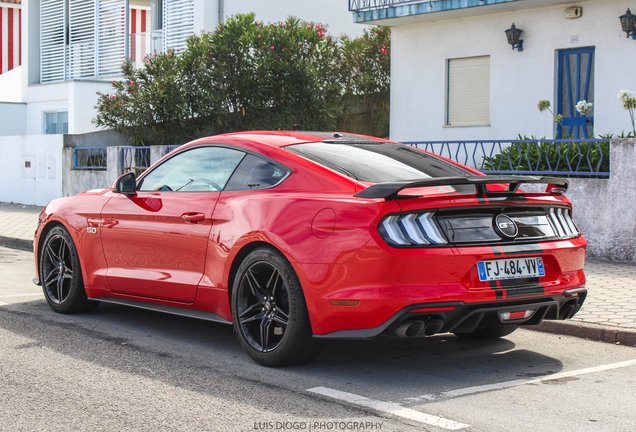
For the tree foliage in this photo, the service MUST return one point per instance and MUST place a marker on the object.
(248, 76)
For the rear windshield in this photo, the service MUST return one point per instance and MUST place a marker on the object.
(378, 163)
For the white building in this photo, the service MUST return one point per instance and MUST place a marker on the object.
(73, 48)
(456, 77)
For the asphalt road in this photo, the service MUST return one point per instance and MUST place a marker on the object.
(120, 368)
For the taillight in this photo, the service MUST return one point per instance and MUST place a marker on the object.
(411, 229)
(562, 222)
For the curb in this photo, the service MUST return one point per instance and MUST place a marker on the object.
(595, 332)
(16, 243)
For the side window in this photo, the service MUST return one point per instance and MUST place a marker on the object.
(202, 169)
(256, 173)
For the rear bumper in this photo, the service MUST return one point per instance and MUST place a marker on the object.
(460, 317)
(383, 282)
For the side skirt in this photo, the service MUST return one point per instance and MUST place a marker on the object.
(190, 313)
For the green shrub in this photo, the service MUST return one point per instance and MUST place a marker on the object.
(540, 155)
(248, 76)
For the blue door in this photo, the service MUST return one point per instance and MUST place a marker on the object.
(575, 83)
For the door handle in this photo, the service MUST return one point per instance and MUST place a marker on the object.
(193, 217)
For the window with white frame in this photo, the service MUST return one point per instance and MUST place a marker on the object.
(55, 122)
(468, 92)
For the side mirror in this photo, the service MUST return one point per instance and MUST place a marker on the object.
(126, 184)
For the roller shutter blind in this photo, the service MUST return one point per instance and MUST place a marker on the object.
(52, 40)
(81, 47)
(468, 98)
(178, 23)
(111, 33)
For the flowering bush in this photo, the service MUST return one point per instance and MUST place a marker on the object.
(629, 103)
(246, 76)
(583, 107)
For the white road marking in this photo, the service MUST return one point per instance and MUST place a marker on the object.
(389, 407)
(519, 382)
(22, 295)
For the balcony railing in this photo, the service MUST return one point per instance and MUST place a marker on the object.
(578, 157)
(141, 44)
(361, 5)
(93, 158)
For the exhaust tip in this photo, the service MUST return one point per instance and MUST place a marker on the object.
(433, 327)
(410, 329)
(567, 311)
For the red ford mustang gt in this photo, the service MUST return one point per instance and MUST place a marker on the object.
(294, 237)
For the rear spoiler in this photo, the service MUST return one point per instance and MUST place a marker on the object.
(390, 190)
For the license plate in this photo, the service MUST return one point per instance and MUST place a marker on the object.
(510, 268)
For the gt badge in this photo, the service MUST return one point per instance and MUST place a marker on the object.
(505, 227)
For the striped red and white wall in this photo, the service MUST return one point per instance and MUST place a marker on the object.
(139, 23)
(10, 36)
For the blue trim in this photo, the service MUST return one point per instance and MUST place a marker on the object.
(375, 10)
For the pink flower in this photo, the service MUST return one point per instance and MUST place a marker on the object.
(170, 54)
(258, 36)
(132, 83)
(112, 97)
(258, 24)
(389, 34)
(282, 25)
(114, 82)
(273, 47)
(382, 31)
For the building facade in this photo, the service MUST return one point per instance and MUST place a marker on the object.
(10, 38)
(456, 77)
(71, 49)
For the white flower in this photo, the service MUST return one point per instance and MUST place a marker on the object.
(624, 94)
(583, 107)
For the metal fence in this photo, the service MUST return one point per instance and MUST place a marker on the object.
(574, 157)
(360, 5)
(93, 158)
(135, 159)
(169, 148)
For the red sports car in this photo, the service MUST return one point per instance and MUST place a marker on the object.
(295, 237)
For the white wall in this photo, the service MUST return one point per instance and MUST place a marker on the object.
(334, 13)
(518, 80)
(12, 118)
(11, 85)
(77, 97)
(39, 183)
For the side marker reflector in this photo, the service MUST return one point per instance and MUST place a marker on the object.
(345, 302)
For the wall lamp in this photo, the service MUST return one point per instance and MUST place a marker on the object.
(513, 34)
(628, 21)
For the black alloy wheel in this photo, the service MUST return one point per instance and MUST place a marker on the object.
(61, 274)
(270, 315)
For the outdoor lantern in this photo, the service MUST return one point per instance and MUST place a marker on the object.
(628, 21)
(513, 34)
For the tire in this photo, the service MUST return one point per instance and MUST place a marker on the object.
(270, 314)
(488, 333)
(61, 274)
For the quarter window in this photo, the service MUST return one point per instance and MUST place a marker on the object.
(468, 92)
(203, 169)
(256, 173)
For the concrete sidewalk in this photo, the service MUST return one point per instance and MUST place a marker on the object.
(608, 315)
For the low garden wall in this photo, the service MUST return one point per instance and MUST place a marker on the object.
(605, 209)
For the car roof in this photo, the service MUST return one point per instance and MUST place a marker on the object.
(285, 138)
